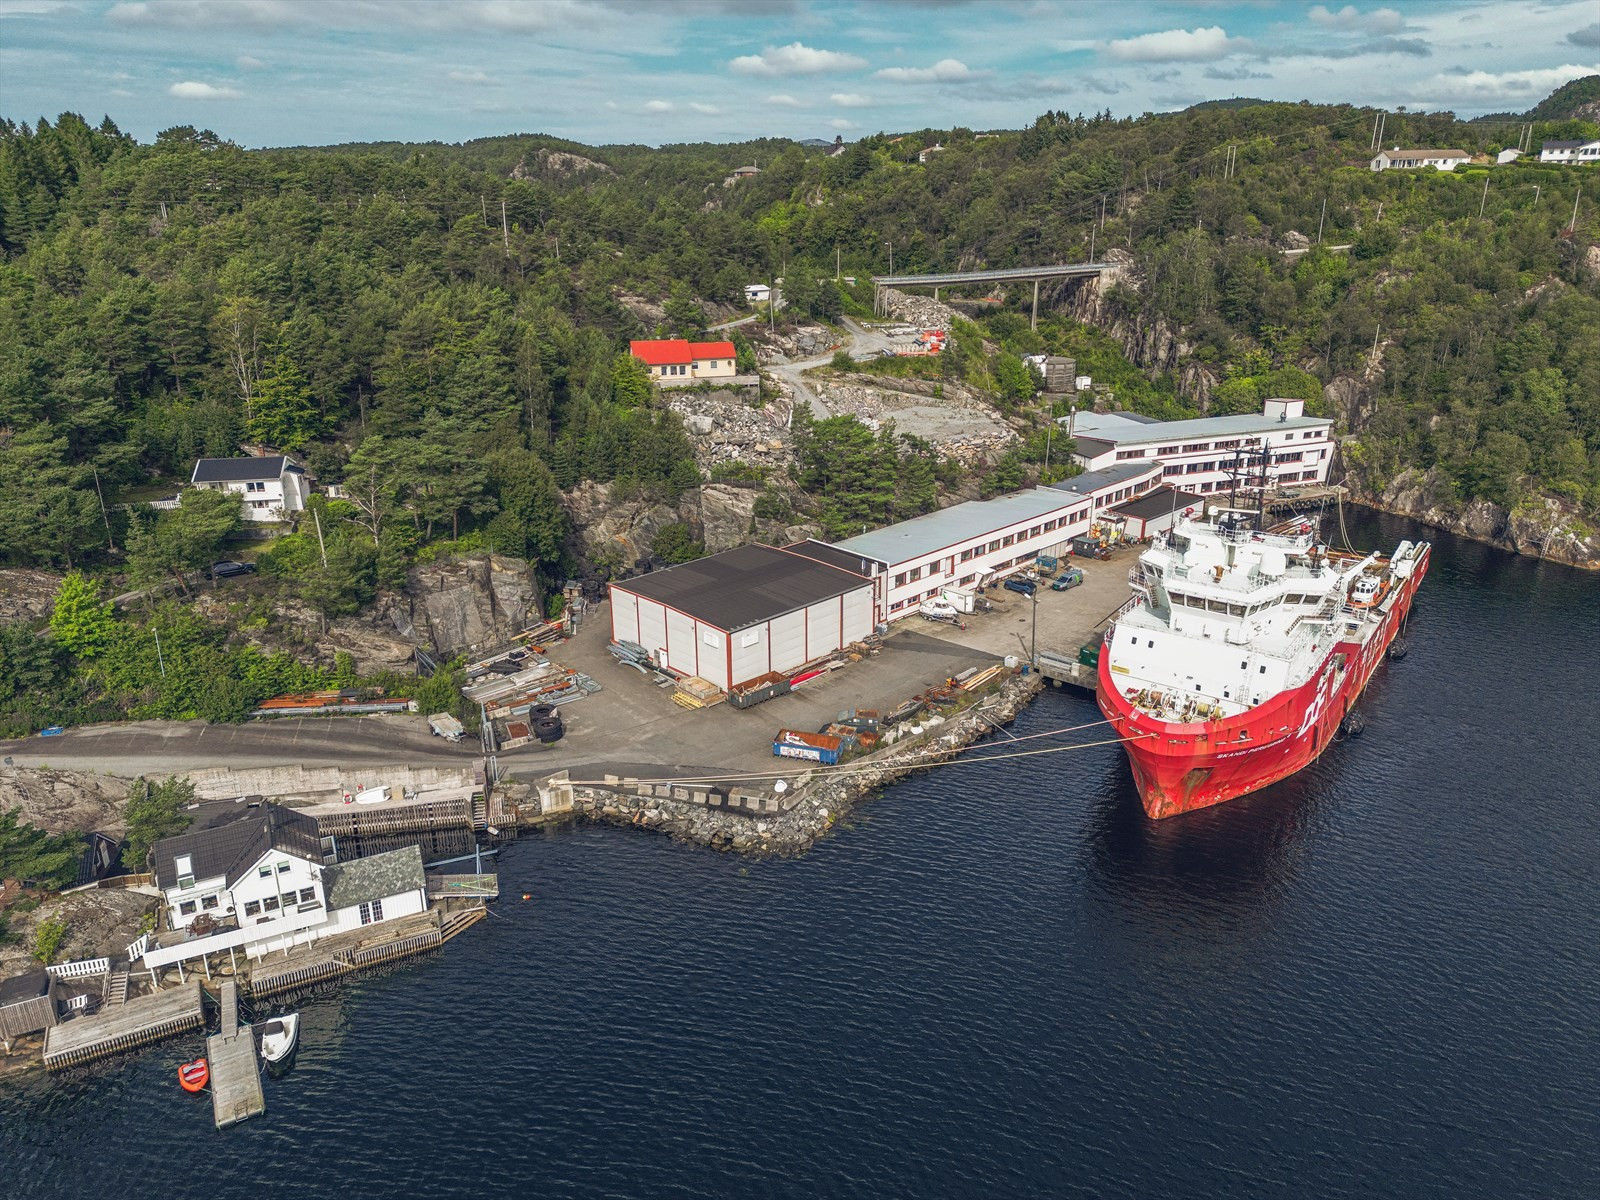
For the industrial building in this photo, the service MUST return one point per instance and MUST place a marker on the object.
(1201, 455)
(1155, 512)
(732, 617)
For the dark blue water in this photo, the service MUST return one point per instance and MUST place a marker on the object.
(1381, 978)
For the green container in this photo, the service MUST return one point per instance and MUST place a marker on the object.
(1089, 653)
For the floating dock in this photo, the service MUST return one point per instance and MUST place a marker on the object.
(123, 1027)
(235, 1073)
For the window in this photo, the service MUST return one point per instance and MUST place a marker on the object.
(1123, 455)
(264, 873)
(186, 882)
(1036, 531)
(371, 912)
(283, 868)
(270, 904)
(186, 908)
(994, 545)
(966, 555)
(966, 579)
(307, 895)
(900, 579)
(1263, 670)
(914, 574)
(1196, 447)
(1049, 525)
(252, 907)
(208, 902)
(1167, 450)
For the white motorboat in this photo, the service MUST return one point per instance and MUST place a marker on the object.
(277, 1037)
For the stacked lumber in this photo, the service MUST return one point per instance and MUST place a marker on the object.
(694, 692)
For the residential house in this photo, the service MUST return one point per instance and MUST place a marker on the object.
(838, 147)
(757, 293)
(270, 487)
(1398, 159)
(677, 363)
(1507, 156)
(28, 1004)
(924, 155)
(264, 882)
(1570, 152)
(1201, 455)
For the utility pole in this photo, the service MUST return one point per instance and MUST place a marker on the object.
(836, 264)
(1484, 199)
(162, 662)
(1536, 195)
(1321, 219)
(110, 540)
(1374, 143)
(483, 207)
(1102, 212)
(505, 229)
(322, 546)
(1572, 227)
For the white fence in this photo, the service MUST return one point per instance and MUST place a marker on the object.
(137, 949)
(81, 968)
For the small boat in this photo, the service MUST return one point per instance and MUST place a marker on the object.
(193, 1076)
(375, 795)
(277, 1037)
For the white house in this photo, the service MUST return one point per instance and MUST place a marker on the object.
(925, 154)
(1398, 159)
(264, 882)
(1507, 156)
(270, 486)
(1570, 152)
(1203, 455)
(757, 293)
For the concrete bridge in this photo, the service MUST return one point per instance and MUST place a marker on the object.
(1034, 275)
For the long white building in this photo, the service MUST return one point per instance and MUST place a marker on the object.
(1202, 455)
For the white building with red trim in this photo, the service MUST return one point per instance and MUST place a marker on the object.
(676, 363)
(1203, 455)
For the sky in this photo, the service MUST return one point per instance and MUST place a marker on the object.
(315, 72)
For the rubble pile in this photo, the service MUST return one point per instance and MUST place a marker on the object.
(722, 429)
(805, 341)
(958, 423)
(922, 311)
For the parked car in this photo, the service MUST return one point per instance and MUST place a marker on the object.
(227, 570)
(1026, 587)
(1070, 578)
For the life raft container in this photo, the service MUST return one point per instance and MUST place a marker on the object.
(193, 1076)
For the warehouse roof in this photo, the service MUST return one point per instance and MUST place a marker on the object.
(951, 526)
(1158, 503)
(1119, 429)
(832, 556)
(1093, 481)
(743, 586)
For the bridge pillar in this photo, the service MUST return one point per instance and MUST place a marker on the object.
(936, 294)
(1035, 324)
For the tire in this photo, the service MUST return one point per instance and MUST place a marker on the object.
(542, 712)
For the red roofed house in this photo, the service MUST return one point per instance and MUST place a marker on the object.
(676, 362)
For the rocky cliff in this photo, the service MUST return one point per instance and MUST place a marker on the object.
(620, 528)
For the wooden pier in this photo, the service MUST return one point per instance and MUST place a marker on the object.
(473, 887)
(122, 1027)
(235, 1074)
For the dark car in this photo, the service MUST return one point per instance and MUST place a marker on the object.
(1025, 586)
(227, 570)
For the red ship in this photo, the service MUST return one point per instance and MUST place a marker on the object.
(1242, 654)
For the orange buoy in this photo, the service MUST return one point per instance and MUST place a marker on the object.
(193, 1076)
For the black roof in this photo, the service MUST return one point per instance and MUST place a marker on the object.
(1158, 503)
(832, 556)
(1093, 481)
(744, 586)
(240, 470)
(231, 849)
(20, 988)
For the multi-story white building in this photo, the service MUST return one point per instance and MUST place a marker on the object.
(1204, 455)
(1570, 152)
(270, 487)
(265, 881)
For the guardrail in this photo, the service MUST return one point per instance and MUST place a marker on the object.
(80, 968)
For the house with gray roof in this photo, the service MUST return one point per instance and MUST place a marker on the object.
(270, 487)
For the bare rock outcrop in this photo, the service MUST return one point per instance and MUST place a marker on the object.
(65, 801)
(27, 594)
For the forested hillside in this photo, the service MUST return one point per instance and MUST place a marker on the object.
(441, 328)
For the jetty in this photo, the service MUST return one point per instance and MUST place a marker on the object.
(235, 1074)
(118, 1028)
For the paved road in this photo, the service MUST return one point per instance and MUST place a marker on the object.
(858, 341)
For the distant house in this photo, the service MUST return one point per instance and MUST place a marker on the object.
(924, 155)
(746, 172)
(1412, 160)
(1570, 152)
(757, 293)
(1507, 156)
(270, 487)
(675, 362)
(838, 146)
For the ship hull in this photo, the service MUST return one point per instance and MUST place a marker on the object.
(1179, 768)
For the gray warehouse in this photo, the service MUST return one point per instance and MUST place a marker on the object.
(732, 617)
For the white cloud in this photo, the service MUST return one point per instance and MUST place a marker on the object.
(709, 110)
(784, 100)
(946, 70)
(29, 8)
(248, 62)
(1176, 45)
(659, 106)
(475, 78)
(493, 16)
(1379, 20)
(841, 123)
(1490, 86)
(794, 59)
(850, 99)
(189, 89)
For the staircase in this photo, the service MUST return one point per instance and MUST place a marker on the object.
(117, 987)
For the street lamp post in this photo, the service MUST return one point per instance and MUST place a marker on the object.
(1033, 653)
(891, 256)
